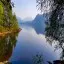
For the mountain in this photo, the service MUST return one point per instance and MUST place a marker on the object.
(19, 20)
(23, 22)
(28, 19)
(38, 23)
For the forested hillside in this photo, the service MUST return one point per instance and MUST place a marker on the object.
(8, 20)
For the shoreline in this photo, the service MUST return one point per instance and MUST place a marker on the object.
(8, 32)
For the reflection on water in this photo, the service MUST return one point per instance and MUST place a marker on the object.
(38, 59)
(27, 46)
(7, 44)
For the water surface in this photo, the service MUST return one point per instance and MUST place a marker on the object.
(22, 48)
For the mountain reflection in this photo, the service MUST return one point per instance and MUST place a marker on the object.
(7, 44)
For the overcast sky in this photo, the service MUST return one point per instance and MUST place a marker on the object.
(25, 8)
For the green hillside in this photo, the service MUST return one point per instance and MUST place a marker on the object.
(8, 20)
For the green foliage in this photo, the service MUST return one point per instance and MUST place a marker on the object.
(14, 22)
(1, 8)
(1, 13)
(8, 20)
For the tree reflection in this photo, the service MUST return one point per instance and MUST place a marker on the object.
(38, 59)
(7, 44)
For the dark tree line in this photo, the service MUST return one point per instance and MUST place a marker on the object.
(54, 30)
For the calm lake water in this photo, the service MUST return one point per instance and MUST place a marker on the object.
(22, 48)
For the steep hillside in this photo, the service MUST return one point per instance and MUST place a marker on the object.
(8, 20)
(39, 23)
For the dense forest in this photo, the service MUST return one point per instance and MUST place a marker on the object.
(8, 19)
(54, 30)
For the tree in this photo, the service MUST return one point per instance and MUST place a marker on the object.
(7, 18)
(55, 24)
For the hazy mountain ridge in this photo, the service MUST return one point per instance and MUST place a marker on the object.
(38, 23)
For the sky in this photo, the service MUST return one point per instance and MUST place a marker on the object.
(25, 9)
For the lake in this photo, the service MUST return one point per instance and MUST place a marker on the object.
(27, 47)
